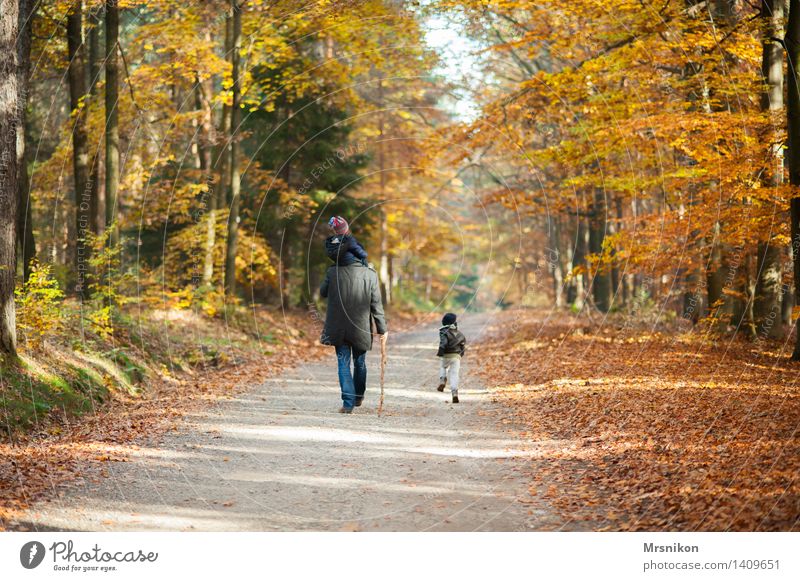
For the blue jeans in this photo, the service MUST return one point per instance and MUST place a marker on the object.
(354, 383)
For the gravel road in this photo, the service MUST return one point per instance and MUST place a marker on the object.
(280, 457)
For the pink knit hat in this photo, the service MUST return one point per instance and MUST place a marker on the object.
(339, 225)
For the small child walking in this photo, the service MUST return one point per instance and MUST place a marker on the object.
(452, 344)
(342, 248)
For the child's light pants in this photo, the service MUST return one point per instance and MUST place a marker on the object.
(449, 371)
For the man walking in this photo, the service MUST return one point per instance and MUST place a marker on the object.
(354, 302)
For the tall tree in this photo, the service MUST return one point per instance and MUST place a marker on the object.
(236, 182)
(223, 154)
(715, 276)
(555, 258)
(601, 280)
(577, 294)
(95, 70)
(384, 269)
(27, 9)
(9, 125)
(112, 119)
(792, 43)
(80, 142)
(768, 284)
(205, 153)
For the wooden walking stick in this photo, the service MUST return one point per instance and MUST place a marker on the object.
(383, 370)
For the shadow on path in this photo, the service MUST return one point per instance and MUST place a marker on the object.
(280, 457)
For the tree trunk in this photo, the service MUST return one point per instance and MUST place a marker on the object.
(80, 142)
(27, 244)
(10, 116)
(286, 269)
(208, 199)
(766, 309)
(95, 58)
(94, 49)
(236, 114)
(25, 237)
(638, 292)
(742, 308)
(750, 290)
(601, 281)
(715, 274)
(787, 305)
(787, 296)
(611, 227)
(793, 117)
(311, 276)
(223, 153)
(112, 120)
(554, 261)
(617, 283)
(579, 260)
(715, 279)
(289, 233)
(692, 307)
(428, 288)
(383, 269)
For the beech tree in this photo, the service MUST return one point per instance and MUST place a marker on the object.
(80, 141)
(768, 289)
(792, 42)
(25, 237)
(112, 120)
(11, 102)
(235, 176)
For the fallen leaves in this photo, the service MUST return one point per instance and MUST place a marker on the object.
(661, 433)
(39, 465)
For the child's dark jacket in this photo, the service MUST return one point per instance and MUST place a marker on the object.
(344, 250)
(451, 340)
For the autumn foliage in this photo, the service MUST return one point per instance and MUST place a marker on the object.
(643, 144)
(633, 166)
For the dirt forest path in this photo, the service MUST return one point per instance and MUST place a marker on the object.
(280, 457)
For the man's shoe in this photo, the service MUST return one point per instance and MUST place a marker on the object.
(359, 401)
(455, 398)
(344, 410)
(441, 387)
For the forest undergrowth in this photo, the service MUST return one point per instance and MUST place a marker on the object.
(70, 407)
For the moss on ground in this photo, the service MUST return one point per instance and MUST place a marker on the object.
(76, 371)
(32, 396)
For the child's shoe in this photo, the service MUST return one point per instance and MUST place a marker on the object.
(455, 397)
(441, 385)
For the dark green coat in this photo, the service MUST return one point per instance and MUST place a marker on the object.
(354, 301)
